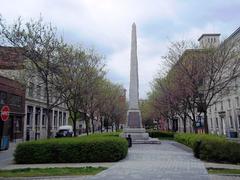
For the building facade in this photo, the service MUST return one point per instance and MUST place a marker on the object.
(35, 119)
(12, 94)
(35, 123)
(224, 115)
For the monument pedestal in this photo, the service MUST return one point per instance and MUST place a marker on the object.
(135, 129)
(139, 136)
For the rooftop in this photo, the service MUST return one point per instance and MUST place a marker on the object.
(211, 34)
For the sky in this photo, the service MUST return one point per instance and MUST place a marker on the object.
(105, 25)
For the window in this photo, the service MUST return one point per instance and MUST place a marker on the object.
(45, 93)
(38, 91)
(211, 122)
(37, 116)
(229, 103)
(18, 124)
(215, 106)
(3, 97)
(236, 84)
(60, 118)
(231, 121)
(221, 105)
(237, 101)
(30, 89)
(55, 118)
(15, 100)
(29, 115)
(44, 115)
(239, 121)
(64, 119)
(217, 122)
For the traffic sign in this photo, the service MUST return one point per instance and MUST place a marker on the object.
(5, 113)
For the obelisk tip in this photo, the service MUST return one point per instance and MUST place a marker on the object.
(133, 25)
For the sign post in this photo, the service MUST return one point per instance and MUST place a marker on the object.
(4, 139)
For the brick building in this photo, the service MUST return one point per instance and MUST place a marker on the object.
(12, 94)
(12, 65)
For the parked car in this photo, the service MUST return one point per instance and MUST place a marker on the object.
(64, 131)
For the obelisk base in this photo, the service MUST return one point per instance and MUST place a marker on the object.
(139, 136)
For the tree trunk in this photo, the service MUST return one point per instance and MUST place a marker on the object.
(86, 122)
(194, 126)
(74, 125)
(92, 120)
(184, 123)
(205, 122)
(49, 123)
(168, 124)
(101, 122)
(107, 124)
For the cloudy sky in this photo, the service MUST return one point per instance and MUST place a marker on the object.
(106, 26)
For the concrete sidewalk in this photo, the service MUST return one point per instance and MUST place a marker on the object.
(6, 156)
(221, 166)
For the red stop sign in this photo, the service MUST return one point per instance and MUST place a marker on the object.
(5, 113)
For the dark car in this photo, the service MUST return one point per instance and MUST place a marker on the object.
(64, 131)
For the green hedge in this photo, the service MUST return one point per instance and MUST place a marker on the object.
(104, 134)
(72, 150)
(211, 148)
(218, 151)
(189, 139)
(160, 134)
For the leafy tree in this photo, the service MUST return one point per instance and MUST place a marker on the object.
(40, 45)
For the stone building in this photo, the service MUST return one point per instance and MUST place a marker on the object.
(224, 114)
(12, 65)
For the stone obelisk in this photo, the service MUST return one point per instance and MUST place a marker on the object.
(134, 126)
(134, 115)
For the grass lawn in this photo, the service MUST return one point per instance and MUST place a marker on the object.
(223, 171)
(65, 171)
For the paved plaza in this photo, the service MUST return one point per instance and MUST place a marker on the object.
(167, 161)
(153, 161)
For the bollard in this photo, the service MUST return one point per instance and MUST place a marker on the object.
(129, 139)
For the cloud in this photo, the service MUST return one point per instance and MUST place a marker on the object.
(149, 62)
(106, 25)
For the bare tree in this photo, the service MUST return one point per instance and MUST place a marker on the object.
(206, 72)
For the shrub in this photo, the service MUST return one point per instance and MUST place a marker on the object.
(189, 139)
(72, 150)
(160, 134)
(220, 151)
(211, 147)
(113, 134)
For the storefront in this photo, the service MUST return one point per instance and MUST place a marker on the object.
(12, 95)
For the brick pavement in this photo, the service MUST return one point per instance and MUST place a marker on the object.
(154, 161)
(168, 161)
